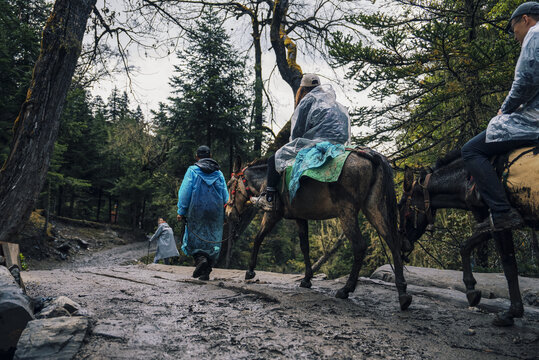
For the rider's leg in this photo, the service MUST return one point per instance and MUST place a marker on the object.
(476, 154)
(273, 178)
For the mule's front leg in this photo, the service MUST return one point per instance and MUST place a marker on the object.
(473, 296)
(303, 232)
(268, 222)
(506, 249)
(359, 248)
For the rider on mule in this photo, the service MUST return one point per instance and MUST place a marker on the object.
(317, 117)
(515, 126)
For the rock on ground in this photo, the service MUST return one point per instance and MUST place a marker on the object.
(491, 285)
(61, 306)
(57, 338)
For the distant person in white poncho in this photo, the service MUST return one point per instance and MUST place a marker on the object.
(166, 246)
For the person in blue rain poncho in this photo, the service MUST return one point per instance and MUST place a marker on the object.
(516, 124)
(166, 246)
(201, 201)
(318, 118)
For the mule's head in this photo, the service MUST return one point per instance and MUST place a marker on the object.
(415, 212)
(238, 193)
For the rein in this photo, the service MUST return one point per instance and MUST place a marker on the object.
(239, 186)
(427, 204)
(213, 242)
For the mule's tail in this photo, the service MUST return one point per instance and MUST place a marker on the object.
(389, 195)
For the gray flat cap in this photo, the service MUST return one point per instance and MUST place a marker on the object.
(530, 7)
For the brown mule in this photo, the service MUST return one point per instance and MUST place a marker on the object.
(445, 186)
(365, 184)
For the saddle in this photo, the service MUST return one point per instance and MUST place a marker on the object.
(330, 171)
(519, 172)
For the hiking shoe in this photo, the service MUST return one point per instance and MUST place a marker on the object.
(500, 221)
(263, 203)
(201, 266)
(206, 275)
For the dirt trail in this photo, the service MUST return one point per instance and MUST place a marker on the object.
(160, 312)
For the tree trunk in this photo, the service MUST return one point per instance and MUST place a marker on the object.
(291, 74)
(110, 209)
(318, 264)
(229, 248)
(47, 210)
(72, 203)
(60, 201)
(258, 108)
(141, 223)
(231, 155)
(36, 127)
(116, 211)
(98, 204)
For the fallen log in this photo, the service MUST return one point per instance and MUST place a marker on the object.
(16, 310)
(10, 254)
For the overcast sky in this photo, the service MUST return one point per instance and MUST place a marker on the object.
(150, 81)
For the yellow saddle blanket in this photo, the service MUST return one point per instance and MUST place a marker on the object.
(521, 178)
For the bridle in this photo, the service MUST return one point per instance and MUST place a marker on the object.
(239, 187)
(427, 210)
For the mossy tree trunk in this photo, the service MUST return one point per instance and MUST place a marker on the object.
(36, 127)
(290, 73)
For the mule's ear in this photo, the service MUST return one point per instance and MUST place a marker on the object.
(237, 164)
(408, 179)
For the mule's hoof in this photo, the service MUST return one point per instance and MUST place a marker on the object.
(249, 275)
(341, 294)
(305, 284)
(503, 319)
(474, 297)
(405, 300)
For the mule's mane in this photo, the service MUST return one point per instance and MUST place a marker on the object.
(448, 158)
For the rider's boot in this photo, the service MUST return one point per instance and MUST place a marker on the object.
(266, 201)
(500, 221)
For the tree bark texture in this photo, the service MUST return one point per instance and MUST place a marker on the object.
(36, 127)
(258, 105)
(290, 74)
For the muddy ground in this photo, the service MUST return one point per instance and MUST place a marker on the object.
(160, 312)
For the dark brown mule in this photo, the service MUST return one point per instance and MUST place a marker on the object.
(366, 184)
(445, 185)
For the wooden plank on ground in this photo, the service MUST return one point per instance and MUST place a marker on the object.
(10, 252)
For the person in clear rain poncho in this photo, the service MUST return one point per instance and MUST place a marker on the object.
(515, 126)
(166, 246)
(201, 201)
(317, 118)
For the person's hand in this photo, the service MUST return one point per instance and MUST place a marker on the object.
(500, 112)
(179, 217)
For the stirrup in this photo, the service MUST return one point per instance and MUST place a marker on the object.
(262, 203)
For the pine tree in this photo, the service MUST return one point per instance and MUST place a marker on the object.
(439, 68)
(211, 103)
